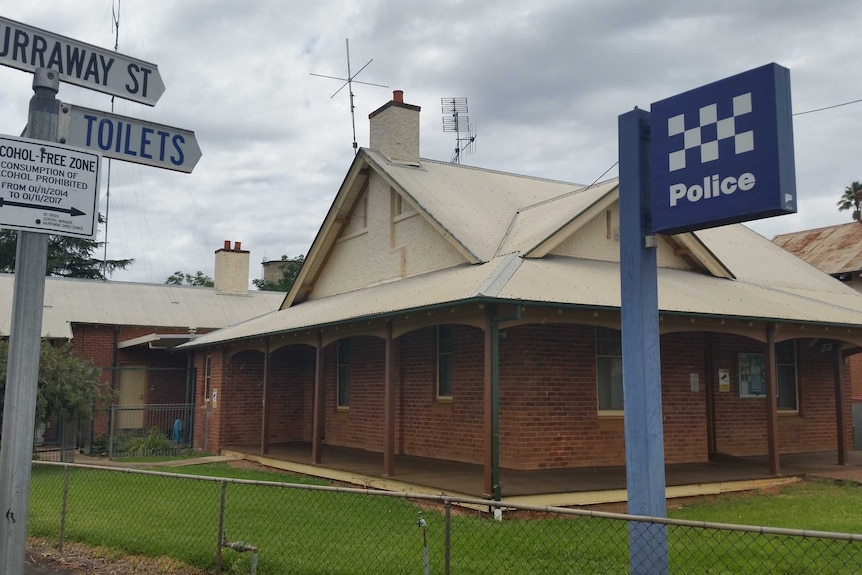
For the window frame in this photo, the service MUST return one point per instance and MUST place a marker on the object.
(605, 334)
(748, 361)
(342, 373)
(208, 374)
(444, 355)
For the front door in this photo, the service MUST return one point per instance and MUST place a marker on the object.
(133, 380)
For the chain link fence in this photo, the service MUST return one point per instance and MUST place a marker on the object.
(240, 526)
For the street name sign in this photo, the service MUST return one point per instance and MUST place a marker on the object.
(48, 188)
(723, 153)
(129, 139)
(27, 48)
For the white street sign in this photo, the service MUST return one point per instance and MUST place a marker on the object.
(48, 188)
(27, 48)
(129, 139)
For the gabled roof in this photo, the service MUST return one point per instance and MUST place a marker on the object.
(69, 301)
(833, 249)
(577, 282)
(508, 228)
(470, 207)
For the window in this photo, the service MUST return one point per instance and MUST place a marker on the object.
(752, 375)
(343, 395)
(444, 361)
(208, 374)
(785, 366)
(609, 369)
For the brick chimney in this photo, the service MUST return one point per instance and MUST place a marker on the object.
(231, 269)
(395, 130)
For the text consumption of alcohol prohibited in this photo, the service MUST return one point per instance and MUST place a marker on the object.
(48, 188)
(723, 153)
(28, 48)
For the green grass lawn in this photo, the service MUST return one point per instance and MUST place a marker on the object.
(306, 531)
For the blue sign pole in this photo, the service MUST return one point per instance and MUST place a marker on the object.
(645, 478)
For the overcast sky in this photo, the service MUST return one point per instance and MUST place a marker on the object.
(545, 82)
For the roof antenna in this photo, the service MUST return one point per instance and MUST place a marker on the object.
(349, 83)
(455, 119)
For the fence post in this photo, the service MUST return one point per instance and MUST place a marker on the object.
(63, 510)
(111, 432)
(220, 526)
(447, 534)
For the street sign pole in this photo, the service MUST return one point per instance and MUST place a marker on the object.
(25, 337)
(645, 478)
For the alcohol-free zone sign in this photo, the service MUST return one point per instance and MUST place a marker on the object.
(48, 188)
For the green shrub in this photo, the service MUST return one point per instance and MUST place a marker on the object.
(153, 442)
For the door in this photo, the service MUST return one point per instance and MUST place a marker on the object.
(133, 380)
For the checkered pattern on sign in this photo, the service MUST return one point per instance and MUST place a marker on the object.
(724, 129)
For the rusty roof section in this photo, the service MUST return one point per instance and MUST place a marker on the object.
(833, 250)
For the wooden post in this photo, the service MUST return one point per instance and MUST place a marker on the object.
(388, 408)
(487, 402)
(772, 402)
(840, 402)
(319, 415)
(264, 426)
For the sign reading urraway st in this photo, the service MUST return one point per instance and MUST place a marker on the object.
(48, 188)
(723, 153)
(28, 48)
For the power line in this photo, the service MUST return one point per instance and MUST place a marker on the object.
(828, 107)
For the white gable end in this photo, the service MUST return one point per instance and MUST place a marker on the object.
(385, 240)
(599, 239)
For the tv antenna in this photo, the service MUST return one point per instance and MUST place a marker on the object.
(349, 81)
(455, 119)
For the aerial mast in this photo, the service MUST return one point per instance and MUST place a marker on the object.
(349, 81)
(455, 120)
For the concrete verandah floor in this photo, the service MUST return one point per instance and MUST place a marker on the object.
(574, 486)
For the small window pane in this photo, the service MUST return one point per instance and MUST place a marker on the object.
(444, 361)
(343, 373)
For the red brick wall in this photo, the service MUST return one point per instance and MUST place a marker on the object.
(741, 421)
(443, 429)
(854, 367)
(207, 415)
(361, 425)
(548, 400)
(291, 393)
(240, 399)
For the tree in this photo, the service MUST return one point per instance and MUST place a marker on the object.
(289, 271)
(852, 200)
(68, 385)
(179, 278)
(67, 257)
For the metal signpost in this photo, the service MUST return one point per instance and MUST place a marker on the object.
(25, 338)
(129, 139)
(719, 154)
(47, 188)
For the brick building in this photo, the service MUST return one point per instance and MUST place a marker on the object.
(470, 315)
(129, 330)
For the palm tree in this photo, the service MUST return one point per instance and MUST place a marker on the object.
(852, 199)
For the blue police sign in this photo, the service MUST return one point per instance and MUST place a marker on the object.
(723, 153)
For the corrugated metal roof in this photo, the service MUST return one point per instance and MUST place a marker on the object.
(833, 250)
(771, 284)
(475, 205)
(70, 301)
